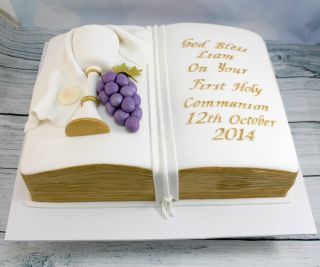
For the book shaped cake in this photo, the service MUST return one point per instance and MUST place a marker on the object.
(182, 111)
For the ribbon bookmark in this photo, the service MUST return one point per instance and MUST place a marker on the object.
(164, 161)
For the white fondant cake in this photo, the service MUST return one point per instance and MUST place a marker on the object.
(210, 102)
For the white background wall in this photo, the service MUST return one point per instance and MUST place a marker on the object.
(285, 20)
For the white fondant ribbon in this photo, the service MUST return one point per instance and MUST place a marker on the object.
(166, 206)
(165, 170)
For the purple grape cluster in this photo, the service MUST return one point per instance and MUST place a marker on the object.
(119, 96)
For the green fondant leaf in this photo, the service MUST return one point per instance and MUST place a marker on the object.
(132, 72)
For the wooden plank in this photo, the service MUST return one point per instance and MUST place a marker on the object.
(21, 48)
(291, 60)
(306, 137)
(16, 87)
(22, 42)
(164, 253)
(7, 179)
(11, 137)
(313, 189)
(301, 98)
(300, 95)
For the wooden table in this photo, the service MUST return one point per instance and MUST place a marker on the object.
(298, 72)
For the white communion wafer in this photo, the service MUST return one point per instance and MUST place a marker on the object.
(69, 95)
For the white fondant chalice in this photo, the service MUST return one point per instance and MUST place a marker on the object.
(94, 48)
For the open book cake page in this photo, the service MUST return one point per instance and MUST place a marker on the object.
(230, 125)
(104, 167)
(211, 120)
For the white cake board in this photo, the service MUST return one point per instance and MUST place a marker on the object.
(218, 220)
